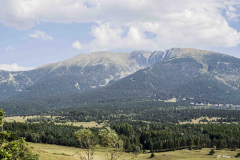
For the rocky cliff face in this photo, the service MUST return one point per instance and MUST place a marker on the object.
(145, 59)
(80, 73)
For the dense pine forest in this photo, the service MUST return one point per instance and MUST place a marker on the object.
(154, 126)
(160, 112)
(138, 135)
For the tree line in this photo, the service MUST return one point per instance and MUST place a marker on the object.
(142, 111)
(138, 135)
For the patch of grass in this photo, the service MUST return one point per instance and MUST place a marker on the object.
(171, 100)
(196, 121)
(23, 119)
(55, 152)
(84, 124)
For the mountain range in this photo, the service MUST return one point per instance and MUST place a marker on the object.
(83, 72)
(105, 77)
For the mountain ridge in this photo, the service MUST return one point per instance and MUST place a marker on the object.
(205, 76)
(88, 71)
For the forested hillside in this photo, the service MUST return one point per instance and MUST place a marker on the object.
(203, 76)
(81, 73)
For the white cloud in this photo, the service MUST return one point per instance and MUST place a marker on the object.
(108, 36)
(14, 67)
(124, 24)
(77, 45)
(41, 34)
(8, 48)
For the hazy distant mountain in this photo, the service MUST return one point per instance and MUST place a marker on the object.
(81, 73)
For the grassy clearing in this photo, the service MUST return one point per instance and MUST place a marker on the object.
(23, 119)
(17, 118)
(84, 124)
(191, 155)
(171, 100)
(55, 152)
(196, 121)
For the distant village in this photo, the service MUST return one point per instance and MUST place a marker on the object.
(218, 106)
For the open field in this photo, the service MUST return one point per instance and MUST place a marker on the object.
(196, 121)
(84, 124)
(54, 152)
(94, 124)
(22, 119)
(171, 100)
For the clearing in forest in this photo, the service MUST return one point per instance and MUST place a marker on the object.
(84, 124)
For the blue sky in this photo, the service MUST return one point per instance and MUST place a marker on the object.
(36, 32)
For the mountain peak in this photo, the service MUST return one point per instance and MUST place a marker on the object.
(86, 71)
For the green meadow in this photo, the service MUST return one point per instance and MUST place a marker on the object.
(55, 152)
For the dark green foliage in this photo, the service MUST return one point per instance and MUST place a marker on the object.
(212, 152)
(41, 119)
(1, 116)
(45, 133)
(12, 149)
(17, 149)
(137, 150)
(154, 136)
(128, 146)
(65, 83)
(204, 88)
(238, 155)
(141, 111)
(152, 155)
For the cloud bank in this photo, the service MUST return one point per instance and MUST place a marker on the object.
(14, 67)
(133, 24)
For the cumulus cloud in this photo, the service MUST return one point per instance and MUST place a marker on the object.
(175, 23)
(8, 48)
(14, 67)
(77, 45)
(108, 36)
(41, 35)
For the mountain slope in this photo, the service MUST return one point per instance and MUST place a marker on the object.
(78, 74)
(189, 73)
(199, 75)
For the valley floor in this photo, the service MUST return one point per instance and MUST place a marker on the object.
(55, 152)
